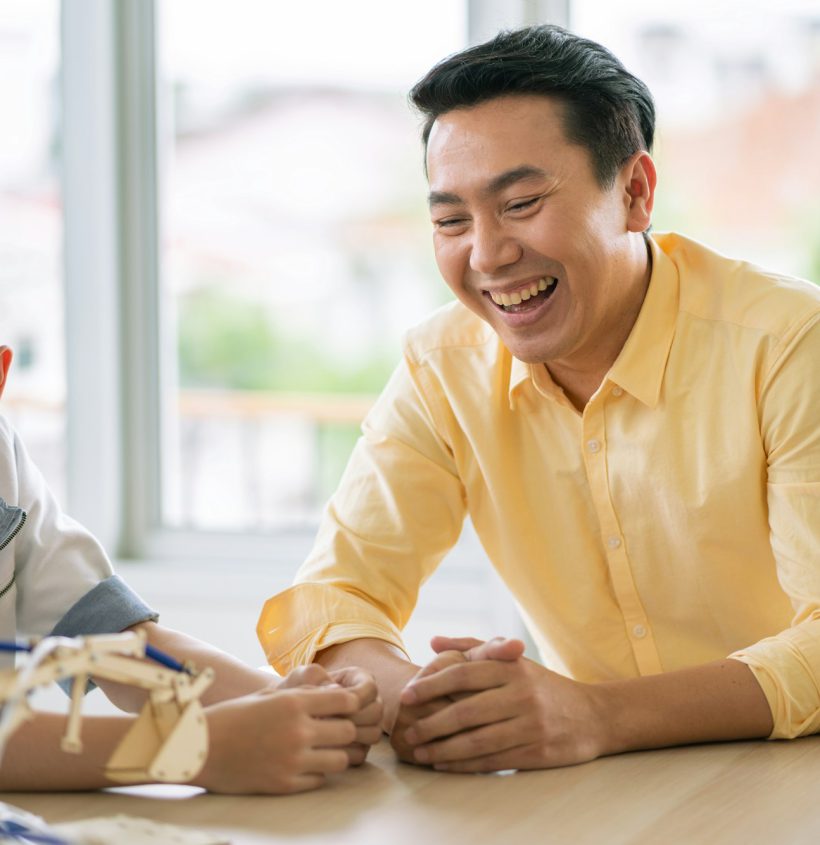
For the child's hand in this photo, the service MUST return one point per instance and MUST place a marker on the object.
(312, 675)
(279, 740)
(368, 718)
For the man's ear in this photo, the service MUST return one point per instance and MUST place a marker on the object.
(639, 180)
(5, 362)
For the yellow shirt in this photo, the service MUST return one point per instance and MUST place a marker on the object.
(674, 522)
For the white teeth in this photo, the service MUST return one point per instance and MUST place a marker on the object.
(519, 296)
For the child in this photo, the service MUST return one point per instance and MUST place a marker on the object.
(265, 735)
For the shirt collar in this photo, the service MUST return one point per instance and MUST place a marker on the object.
(640, 366)
(519, 374)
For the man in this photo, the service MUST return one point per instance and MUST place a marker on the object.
(631, 422)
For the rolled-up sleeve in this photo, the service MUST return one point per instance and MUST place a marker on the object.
(399, 507)
(110, 607)
(65, 582)
(787, 666)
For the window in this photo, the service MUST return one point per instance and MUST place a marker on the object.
(31, 292)
(260, 268)
(295, 242)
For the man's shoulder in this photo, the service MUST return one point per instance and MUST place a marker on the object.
(716, 287)
(450, 328)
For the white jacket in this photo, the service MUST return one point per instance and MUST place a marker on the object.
(54, 575)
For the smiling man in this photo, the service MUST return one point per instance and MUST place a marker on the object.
(630, 421)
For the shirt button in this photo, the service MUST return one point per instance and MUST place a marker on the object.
(613, 542)
(617, 391)
(639, 632)
(593, 446)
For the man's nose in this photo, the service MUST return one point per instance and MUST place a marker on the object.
(492, 247)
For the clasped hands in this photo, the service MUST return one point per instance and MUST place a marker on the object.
(483, 707)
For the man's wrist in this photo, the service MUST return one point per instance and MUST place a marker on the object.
(713, 702)
(385, 662)
(608, 717)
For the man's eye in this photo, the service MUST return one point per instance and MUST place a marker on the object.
(523, 205)
(450, 223)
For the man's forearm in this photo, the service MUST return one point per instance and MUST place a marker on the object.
(541, 719)
(388, 665)
(716, 701)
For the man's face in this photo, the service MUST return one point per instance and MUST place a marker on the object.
(523, 234)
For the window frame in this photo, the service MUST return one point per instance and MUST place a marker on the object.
(117, 429)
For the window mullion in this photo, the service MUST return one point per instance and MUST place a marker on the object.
(139, 271)
(91, 256)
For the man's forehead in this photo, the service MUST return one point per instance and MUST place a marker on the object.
(509, 130)
(499, 115)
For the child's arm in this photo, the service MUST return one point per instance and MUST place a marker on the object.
(232, 677)
(268, 742)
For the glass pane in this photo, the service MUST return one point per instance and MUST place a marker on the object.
(737, 88)
(31, 294)
(295, 243)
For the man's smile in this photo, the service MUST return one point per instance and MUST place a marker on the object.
(527, 299)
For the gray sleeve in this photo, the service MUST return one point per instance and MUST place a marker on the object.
(110, 607)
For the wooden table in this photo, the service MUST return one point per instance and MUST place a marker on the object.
(744, 792)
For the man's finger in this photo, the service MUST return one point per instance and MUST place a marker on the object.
(463, 677)
(471, 745)
(498, 648)
(439, 643)
(442, 661)
(490, 707)
(511, 758)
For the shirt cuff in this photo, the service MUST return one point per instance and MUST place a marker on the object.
(297, 623)
(110, 607)
(786, 667)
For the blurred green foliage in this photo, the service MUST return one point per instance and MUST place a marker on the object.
(231, 343)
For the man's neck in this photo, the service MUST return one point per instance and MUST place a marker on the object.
(579, 379)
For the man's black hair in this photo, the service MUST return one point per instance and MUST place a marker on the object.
(607, 110)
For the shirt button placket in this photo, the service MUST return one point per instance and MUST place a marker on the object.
(623, 580)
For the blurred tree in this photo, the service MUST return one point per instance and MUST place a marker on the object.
(230, 343)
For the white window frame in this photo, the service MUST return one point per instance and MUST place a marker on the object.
(116, 365)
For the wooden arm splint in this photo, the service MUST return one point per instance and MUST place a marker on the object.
(168, 740)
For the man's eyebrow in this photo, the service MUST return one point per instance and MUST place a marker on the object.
(494, 186)
(443, 198)
(517, 174)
